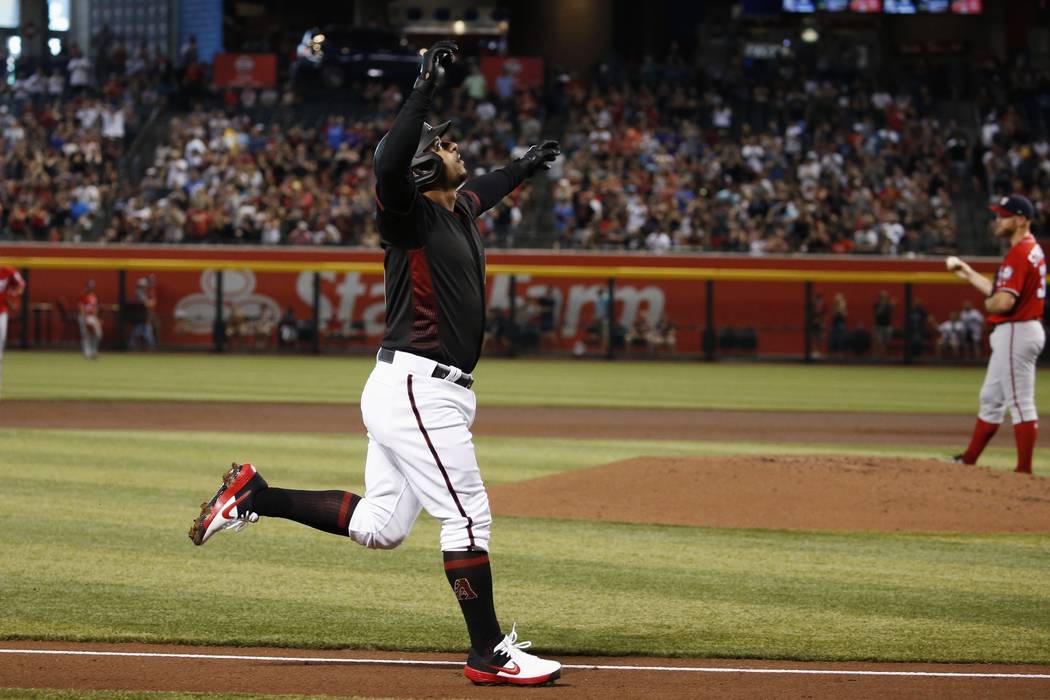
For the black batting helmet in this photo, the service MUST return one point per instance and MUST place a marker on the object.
(426, 164)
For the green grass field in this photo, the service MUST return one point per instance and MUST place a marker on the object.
(95, 548)
(789, 387)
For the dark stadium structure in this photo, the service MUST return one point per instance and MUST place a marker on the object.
(333, 57)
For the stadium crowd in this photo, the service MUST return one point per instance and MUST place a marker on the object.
(660, 158)
(252, 172)
(63, 131)
(811, 165)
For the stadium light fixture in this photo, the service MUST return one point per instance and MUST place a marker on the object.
(459, 27)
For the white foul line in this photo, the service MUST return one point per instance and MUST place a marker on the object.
(588, 667)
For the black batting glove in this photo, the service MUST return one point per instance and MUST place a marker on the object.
(433, 64)
(540, 157)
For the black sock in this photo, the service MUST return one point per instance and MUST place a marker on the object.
(324, 510)
(470, 576)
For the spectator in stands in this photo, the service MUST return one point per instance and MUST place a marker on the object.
(638, 334)
(101, 46)
(288, 329)
(663, 336)
(189, 54)
(474, 84)
(952, 332)
(973, 326)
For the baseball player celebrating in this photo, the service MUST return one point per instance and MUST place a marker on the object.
(11, 285)
(417, 404)
(1015, 308)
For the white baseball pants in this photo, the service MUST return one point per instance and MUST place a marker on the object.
(1010, 380)
(420, 455)
(90, 335)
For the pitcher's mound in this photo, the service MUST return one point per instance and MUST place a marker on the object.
(791, 492)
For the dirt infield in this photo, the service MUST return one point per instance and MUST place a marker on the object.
(799, 492)
(440, 675)
(786, 491)
(808, 492)
(732, 426)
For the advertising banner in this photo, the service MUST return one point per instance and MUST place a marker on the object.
(559, 300)
(256, 70)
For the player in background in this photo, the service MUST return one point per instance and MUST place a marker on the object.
(417, 404)
(87, 318)
(973, 324)
(1014, 302)
(11, 285)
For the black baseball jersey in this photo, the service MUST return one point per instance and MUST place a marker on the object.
(434, 262)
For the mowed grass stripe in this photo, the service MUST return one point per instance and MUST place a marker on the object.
(337, 461)
(776, 601)
(685, 384)
(95, 549)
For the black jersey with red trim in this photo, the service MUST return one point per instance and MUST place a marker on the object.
(435, 293)
(434, 260)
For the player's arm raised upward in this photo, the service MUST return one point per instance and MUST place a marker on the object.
(1001, 302)
(395, 189)
(491, 187)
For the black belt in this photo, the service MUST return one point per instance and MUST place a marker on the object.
(440, 371)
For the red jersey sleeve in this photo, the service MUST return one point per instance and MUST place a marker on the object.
(1022, 274)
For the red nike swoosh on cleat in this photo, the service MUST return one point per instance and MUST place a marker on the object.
(509, 671)
(229, 507)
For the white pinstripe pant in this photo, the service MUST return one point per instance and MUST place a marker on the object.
(1010, 380)
(420, 456)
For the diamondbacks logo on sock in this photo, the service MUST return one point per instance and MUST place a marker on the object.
(463, 590)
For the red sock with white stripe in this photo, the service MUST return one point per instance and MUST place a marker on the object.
(470, 576)
(982, 435)
(1024, 437)
(329, 511)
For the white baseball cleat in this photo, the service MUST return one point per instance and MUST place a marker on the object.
(231, 506)
(510, 664)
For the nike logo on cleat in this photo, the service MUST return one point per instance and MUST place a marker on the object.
(509, 670)
(232, 504)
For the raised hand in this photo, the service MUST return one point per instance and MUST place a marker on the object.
(433, 63)
(540, 157)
